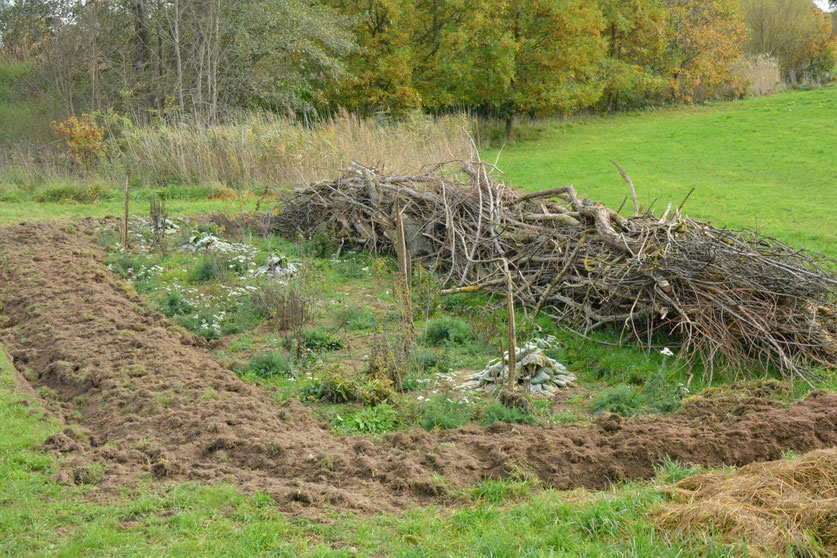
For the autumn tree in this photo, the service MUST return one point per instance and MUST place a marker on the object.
(706, 36)
(637, 33)
(533, 57)
(794, 32)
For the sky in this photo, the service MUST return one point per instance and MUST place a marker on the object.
(822, 4)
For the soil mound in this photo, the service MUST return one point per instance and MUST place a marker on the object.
(781, 507)
(140, 396)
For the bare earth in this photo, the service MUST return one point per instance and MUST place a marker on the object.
(148, 399)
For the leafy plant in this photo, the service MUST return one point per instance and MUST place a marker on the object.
(497, 412)
(267, 365)
(447, 331)
(355, 319)
(372, 420)
(444, 412)
(173, 303)
(622, 400)
(320, 340)
(337, 386)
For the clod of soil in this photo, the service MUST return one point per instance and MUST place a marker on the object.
(144, 397)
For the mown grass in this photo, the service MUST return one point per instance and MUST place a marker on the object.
(766, 163)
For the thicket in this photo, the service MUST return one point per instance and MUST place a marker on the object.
(265, 72)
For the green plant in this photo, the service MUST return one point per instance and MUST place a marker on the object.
(337, 386)
(444, 412)
(354, 318)
(267, 365)
(622, 400)
(424, 359)
(497, 412)
(320, 340)
(173, 303)
(447, 331)
(671, 471)
(372, 420)
(209, 268)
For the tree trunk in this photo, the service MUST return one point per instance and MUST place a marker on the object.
(509, 122)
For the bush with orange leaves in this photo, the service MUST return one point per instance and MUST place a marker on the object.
(85, 139)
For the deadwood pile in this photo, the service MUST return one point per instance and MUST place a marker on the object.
(730, 295)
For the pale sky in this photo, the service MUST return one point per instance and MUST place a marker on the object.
(822, 4)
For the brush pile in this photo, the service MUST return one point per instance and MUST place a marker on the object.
(733, 295)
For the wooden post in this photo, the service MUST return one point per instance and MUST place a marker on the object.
(404, 268)
(125, 217)
(512, 330)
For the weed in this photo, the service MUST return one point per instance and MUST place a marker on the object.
(372, 420)
(209, 268)
(354, 318)
(320, 340)
(444, 412)
(671, 471)
(173, 303)
(389, 357)
(424, 360)
(285, 305)
(267, 365)
(500, 413)
(337, 386)
(447, 331)
(622, 399)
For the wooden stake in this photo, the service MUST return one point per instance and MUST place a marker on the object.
(404, 267)
(125, 217)
(512, 330)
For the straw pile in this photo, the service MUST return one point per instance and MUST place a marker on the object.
(786, 507)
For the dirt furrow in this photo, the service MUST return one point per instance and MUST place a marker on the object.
(147, 398)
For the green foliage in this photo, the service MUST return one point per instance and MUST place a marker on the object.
(337, 386)
(671, 471)
(267, 365)
(656, 396)
(320, 340)
(622, 399)
(447, 331)
(355, 318)
(497, 412)
(209, 268)
(372, 420)
(76, 192)
(173, 303)
(443, 412)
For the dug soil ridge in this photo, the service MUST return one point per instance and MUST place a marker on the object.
(142, 397)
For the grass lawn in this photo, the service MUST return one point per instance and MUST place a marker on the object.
(768, 163)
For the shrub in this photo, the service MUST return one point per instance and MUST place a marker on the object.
(622, 400)
(447, 331)
(373, 420)
(497, 412)
(389, 358)
(424, 359)
(288, 306)
(85, 139)
(444, 412)
(267, 365)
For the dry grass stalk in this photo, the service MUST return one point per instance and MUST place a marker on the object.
(786, 507)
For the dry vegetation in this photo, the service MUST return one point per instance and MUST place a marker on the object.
(733, 296)
(780, 507)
